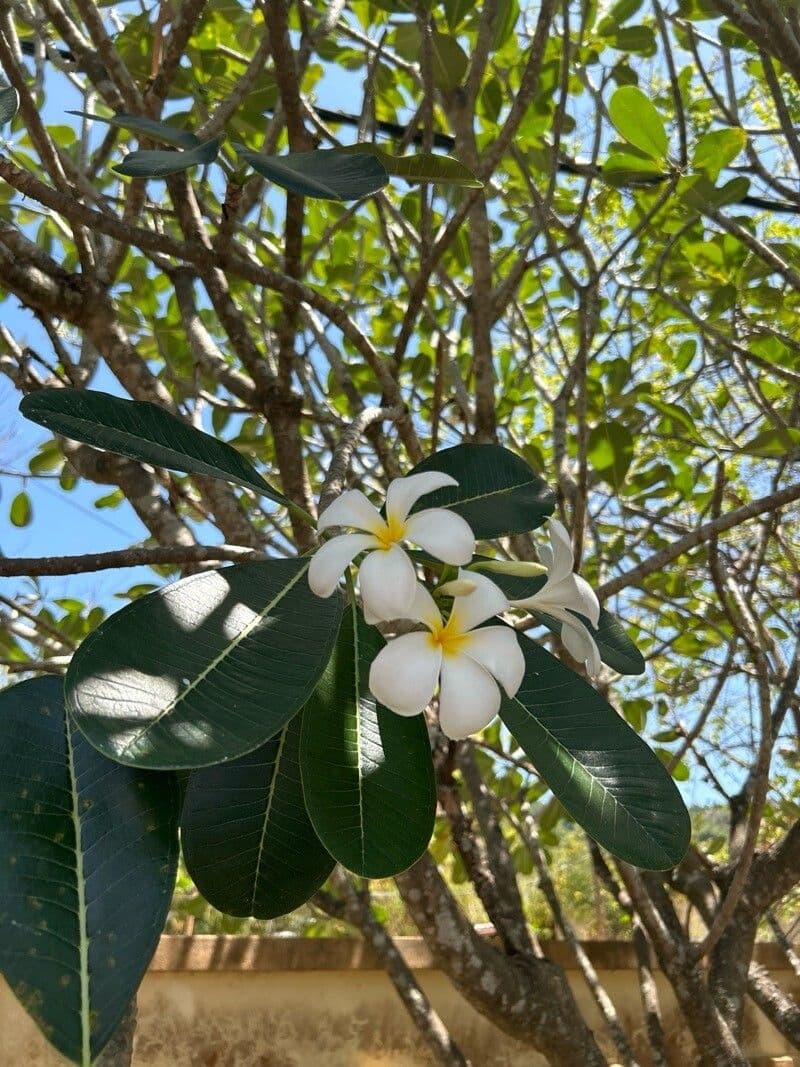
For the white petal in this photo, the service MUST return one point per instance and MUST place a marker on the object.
(471, 610)
(442, 533)
(403, 493)
(561, 546)
(369, 618)
(351, 508)
(387, 581)
(497, 649)
(582, 592)
(403, 675)
(329, 562)
(581, 645)
(469, 697)
(424, 608)
(572, 592)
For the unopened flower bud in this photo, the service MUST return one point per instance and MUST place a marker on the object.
(458, 587)
(516, 567)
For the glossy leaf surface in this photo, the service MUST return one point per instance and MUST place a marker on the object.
(248, 842)
(89, 855)
(141, 431)
(367, 773)
(206, 669)
(327, 174)
(161, 163)
(497, 491)
(606, 777)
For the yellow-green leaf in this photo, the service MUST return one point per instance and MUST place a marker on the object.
(637, 120)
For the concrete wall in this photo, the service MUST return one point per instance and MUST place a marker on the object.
(250, 1002)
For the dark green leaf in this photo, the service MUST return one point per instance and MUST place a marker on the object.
(204, 670)
(637, 120)
(627, 167)
(9, 102)
(247, 839)
(142, 431)
(497, 491)
(606, 777)
(89, 855)
(615, 647)
(327, 174)
(422, 167)
(367, 772)
(157, 131)
(21, 511)
(160, 163)
(610, 451)
(492, 99)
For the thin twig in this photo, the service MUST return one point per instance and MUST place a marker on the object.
(45, 566)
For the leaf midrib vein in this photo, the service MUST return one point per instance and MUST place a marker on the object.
(83, 937)
(226, 651)
(273, 785)
(594, 781)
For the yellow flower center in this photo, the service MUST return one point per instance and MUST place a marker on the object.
(392, 532)
(448, 638)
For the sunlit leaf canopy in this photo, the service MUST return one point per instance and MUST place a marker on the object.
(644, 270)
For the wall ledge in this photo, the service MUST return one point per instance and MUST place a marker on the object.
(208, 952)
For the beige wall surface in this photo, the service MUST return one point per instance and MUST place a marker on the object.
(247, 1002)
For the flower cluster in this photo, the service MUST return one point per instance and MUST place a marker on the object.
(461, 657)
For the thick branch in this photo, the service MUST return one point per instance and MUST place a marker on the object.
(529, 999)
(781, 1010)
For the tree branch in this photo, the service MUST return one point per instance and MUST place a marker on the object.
(659, 560)
(170, 555)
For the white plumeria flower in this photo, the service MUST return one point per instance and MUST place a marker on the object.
(387, 578)
(464, 661)
(563, 593)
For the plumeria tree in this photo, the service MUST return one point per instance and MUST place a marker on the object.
(457, 423)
